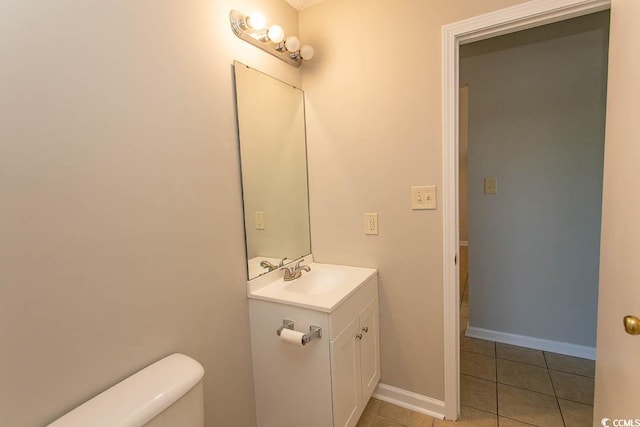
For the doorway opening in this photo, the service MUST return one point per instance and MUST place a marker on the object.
(528, 15)
(535, 122)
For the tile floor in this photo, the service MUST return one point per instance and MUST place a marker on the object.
(504, 385)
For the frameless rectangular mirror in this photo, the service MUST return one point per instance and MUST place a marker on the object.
(273, 157)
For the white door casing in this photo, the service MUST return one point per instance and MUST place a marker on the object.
(520, 17)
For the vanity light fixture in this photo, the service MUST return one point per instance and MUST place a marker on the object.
(251, 28)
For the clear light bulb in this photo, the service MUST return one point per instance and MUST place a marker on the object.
(306, 52)
(275, 33)
(256, 21)
(292, 44)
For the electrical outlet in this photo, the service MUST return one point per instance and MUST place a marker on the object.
(259, 220)
(371, 223)
(491, 186)
(423, 197)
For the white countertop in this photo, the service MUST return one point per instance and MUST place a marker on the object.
(324, 288)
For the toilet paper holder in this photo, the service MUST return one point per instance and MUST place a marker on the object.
(314, 331)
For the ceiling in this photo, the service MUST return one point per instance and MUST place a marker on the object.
(304, 4)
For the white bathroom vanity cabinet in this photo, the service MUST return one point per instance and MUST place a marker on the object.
(328, 381)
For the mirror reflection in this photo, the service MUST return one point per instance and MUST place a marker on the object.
(273, 157)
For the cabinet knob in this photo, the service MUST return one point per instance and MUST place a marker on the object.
(365, 329)
(359, 336)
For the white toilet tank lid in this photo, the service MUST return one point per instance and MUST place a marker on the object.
(139, 398)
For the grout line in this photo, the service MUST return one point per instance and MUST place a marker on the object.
(553, 387)
(571, 373)
(477, 352)
(479, 378)
(479, 409)
(574, 401)
(521, 422)
(544, 357)
(560, 410)
(523, 363)
(518, 361)
(527, 389)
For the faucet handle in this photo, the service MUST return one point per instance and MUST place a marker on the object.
(299, 262)
(281, 263)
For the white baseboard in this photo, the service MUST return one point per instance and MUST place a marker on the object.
(464, 243)
(409, 400)
(531, 342)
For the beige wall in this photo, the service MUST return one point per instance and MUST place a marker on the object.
(120, 210)
(373, 97)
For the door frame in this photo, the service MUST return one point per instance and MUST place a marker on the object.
(516, 18)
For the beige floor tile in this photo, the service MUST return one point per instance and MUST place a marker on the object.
(366, 419)
(475, 345)
(419, 420)
(573, 387)
(570, 364)
(576, 414)
(478, 365)
(508, 422)
(393, 412)
(528, 406)
(478, 393)
(524, 376)
(379, 421)
(470, 417)
(520, 354)
(372, 405)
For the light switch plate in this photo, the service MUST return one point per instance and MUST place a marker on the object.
(423, 197)
(491, 186)
(259, 220)
(371, 223)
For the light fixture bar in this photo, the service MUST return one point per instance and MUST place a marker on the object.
(241, 29)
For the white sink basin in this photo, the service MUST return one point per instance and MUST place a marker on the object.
(323, 288)
(317, 282)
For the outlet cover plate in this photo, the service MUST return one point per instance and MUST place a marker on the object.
(491, 186)
(371, 223)
(423, 197)
(259, 220)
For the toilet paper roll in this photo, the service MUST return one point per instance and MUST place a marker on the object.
(290, 336)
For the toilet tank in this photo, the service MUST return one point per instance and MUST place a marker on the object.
(166, 393)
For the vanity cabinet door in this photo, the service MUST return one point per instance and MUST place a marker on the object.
(346, 379)
(369, 349)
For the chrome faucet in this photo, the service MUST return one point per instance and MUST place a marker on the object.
(266, 264)
(295, 272)
(270, 267)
